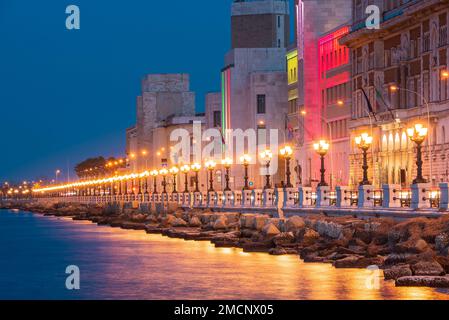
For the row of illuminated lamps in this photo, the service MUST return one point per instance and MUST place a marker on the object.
(416, 134)
(210, 165)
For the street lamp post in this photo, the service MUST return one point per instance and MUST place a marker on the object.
(196, 167)
(245, 159)
(210, 166)
(227, 163)
(418, 134)
(266, 156)
(146, 174)
(321, 149)
(174, 171)
(286, 153)
(163, 173)
(185, 169)
(154, 174)
(364, 142)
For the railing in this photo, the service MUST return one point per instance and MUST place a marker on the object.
(392, 197)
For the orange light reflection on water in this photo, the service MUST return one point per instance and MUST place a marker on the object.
(178, 269)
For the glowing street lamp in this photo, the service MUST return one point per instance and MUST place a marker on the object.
(364, 142)
(321, 148)
(287, 153)
(245, 160)
(418, 134)
(57, 172)
(196, 167)
(227, 163)
(154, 174)
(186, 169)
(266, 156)
(210, 166)
(445, 74)
(163, 172)
(174, 171)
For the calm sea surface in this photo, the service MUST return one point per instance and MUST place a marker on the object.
(121, 264)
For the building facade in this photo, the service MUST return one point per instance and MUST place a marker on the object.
(254, 81)
(166, 104)
(322, 72)
(402, 68)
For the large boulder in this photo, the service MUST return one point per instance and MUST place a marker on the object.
(260, 222)
(178, 222)
(220, 223)
(329, 229)
(168, 220)
(427, 268)
(247, 221)
(444, 263)
(310, 237)
(397, 272)
(284, 238)
(412, 245)
(270, 230)
(294, 224)
(195, 222)
(442, 243)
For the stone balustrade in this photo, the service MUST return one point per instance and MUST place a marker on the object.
(391, 197)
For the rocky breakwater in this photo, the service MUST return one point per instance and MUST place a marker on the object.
(411, 253)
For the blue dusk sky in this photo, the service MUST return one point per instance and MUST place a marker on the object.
(68, 95)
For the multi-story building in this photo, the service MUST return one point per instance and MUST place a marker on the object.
(402, 67)
(254, 81)
(322, 85)
(166, 104)
(335, 86)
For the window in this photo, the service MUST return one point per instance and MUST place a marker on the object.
(261, 104)
(217, 118)
(279, 21)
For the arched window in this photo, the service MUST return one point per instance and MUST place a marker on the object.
(384, 143)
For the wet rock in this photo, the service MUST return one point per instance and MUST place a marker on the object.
(395, 258)
(423, 281)
(277, 251)
(284, 238)
(294, 224)
(397, 272)
(358, 262)
(426, 268)
(313, 257)
(256, 247)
